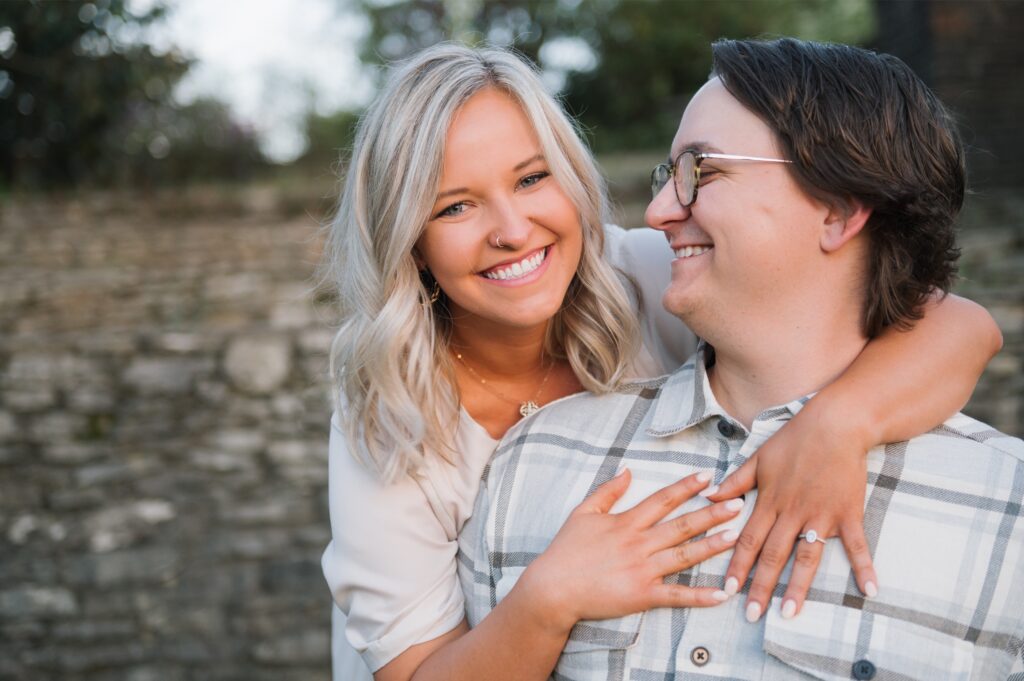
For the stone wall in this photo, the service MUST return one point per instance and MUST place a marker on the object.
(163, 425)
(163, 419)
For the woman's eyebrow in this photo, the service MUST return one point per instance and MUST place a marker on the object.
(535, 157)
(519, 166)
(450, 192)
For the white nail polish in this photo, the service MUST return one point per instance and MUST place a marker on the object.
(703, 476)
(734, 504)
(720, 596)
(730, 536)
(753, 612)
(870, 590)
(788, 609)
(732, 586)
(708, 491)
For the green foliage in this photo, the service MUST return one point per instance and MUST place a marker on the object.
(329, 138)
(170, 144)
(84, 99)
(648, 56)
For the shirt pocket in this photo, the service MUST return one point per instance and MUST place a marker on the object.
(599, 645)
(836, 643)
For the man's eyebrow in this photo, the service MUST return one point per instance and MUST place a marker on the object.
(519, 166)
(535, 157)
(699, 146)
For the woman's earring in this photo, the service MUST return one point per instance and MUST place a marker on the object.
(435, 294)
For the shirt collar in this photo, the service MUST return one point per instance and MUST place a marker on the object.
(685, 399)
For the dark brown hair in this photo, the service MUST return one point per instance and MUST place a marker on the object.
(860, 125)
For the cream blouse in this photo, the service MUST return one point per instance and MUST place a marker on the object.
(390, 564)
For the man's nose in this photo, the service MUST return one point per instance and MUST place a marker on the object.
(664, 210)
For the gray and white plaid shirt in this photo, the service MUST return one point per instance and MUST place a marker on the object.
(943, 517)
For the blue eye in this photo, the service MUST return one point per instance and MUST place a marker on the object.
(452, 210)
(533, 178)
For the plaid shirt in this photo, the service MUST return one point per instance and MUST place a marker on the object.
(943, 519)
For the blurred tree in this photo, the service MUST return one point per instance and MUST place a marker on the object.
(624, 67)
(84, 98)
(329, 138)
(157, 144)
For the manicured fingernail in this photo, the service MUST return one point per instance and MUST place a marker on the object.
(732, 585)
(703, 476)
(788, 609)
(708, 491)
(753, 612)
(870, 589)
(729, 536)
(734, 504)
(720, 596)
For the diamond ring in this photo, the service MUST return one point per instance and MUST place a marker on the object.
(810, 536)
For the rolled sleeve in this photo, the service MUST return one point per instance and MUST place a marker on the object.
(390, 565)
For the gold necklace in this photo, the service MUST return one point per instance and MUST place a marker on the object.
(525, 408)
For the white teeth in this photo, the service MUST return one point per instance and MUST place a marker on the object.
(519, 269)
(688, 251)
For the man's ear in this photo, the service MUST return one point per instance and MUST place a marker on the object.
(843, 222)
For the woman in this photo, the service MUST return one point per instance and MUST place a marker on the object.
(477, 284)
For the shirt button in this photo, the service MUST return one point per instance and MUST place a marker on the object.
(700, 656)
(863, 670)
(726, 428)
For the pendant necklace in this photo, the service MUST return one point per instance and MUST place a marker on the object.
(525, 408)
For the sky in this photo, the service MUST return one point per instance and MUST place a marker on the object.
(271, 60)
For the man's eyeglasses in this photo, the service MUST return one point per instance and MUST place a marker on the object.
(686, 171)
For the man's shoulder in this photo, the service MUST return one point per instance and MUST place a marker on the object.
(962, 456)
(963, 433)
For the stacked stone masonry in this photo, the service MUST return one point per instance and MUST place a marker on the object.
(163, 426)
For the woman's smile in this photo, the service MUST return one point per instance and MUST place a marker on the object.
(521, 271)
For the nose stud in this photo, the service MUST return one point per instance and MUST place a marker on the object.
(497, 241)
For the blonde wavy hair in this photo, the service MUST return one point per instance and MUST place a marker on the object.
(392, 345)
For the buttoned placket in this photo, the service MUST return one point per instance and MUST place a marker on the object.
(717, 635)
(705, 642)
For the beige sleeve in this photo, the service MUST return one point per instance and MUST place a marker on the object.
(644, 256)
(390, 565)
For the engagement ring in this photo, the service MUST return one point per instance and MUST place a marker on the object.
(810, 536)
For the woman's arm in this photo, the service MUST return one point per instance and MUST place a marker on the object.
(390, 565)
(907, 382)
(600, 565)
(811, 474)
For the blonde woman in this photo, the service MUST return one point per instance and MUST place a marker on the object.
(477, 283)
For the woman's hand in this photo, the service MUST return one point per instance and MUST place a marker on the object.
(603, 565)
(810, 475)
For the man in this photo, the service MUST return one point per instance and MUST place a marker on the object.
(810, 201)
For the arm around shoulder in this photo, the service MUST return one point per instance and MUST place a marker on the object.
(908, 381)
(903, 383)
